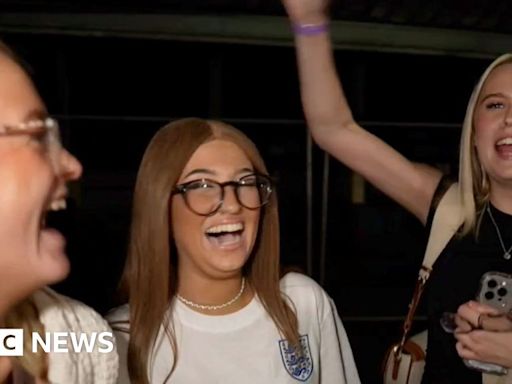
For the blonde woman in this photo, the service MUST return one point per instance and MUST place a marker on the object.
(206, 302)
(485, 177)
(34, 169)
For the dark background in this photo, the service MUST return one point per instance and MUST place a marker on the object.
(113, 90)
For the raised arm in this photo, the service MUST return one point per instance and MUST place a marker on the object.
(333, 127)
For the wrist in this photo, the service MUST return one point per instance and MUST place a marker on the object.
(310, 29)
(318, 17)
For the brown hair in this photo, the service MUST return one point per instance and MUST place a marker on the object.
(149, 268)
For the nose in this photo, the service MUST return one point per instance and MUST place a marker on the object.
(230, 203)
(508, 116)
(70, 167)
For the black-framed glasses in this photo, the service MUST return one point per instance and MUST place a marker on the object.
(205, 197)
(46, 130)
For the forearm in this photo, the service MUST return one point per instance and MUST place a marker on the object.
(325, 106)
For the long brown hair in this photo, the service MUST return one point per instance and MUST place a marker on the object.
(149, 278)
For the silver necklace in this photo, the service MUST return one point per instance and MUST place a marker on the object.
(213, 307)
(506, 253)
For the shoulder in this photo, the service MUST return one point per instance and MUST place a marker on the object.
(442, 187)
(298, 281)
(305, 294)
(59, 313)
(119, 318)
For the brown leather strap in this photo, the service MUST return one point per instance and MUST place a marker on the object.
(411, 348)
(413, 305)
(417, 353)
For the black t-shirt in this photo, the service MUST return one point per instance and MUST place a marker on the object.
(455, 280)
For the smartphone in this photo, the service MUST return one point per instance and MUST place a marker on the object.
(496, 291)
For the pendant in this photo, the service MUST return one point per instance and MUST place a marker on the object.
(507, 255)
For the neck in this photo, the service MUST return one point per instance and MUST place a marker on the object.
(11, 295)
(7, 300)
(214, 292)
(501, 197)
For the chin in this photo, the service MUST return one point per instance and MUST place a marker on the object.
(502, 176)
(231, 267)
(57, 269)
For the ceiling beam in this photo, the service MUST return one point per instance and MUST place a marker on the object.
(260, 30)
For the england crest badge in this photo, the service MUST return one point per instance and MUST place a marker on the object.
(299, 364)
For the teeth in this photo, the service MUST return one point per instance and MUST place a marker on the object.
(225, 228)
(58, 205)
(505, 141)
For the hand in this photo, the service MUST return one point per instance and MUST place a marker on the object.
(306, 11)
(486, 346)
(472, 314)
(484, 334)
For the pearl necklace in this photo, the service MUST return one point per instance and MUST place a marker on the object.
(506, 252)
(213, 307)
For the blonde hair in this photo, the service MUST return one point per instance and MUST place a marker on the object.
(149, 278)
(7, 51)
(474, 186)
(25, 314)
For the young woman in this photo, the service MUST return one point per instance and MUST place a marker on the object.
(485, 178)
(34, 169)
(206, 302)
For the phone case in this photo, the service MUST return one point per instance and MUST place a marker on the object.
(495, 291)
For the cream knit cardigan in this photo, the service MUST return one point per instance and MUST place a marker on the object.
(61, 313)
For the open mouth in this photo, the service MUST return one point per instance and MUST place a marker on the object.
(504, 147)
(54, 206)
(225, 235)
(51, 244)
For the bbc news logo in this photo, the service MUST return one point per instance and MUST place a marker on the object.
(11, 342)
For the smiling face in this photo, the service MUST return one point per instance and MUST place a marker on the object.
(31, 182)
(493, 125)
(215, 246)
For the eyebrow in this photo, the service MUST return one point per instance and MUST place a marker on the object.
(213, 173)
(490, 95)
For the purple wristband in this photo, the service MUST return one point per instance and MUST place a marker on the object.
(310, 29)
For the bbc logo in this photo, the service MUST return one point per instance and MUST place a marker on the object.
(11, 342)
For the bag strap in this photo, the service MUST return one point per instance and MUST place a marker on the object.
(446, 222)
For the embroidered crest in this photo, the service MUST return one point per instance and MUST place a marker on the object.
(299, 365)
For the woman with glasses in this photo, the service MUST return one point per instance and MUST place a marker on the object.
(34, 169)
(206, 303)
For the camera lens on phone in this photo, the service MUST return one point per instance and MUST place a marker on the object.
(492, 283)
(489, 295)
(502, 292)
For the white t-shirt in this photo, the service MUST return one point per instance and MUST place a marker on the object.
(246, 347)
